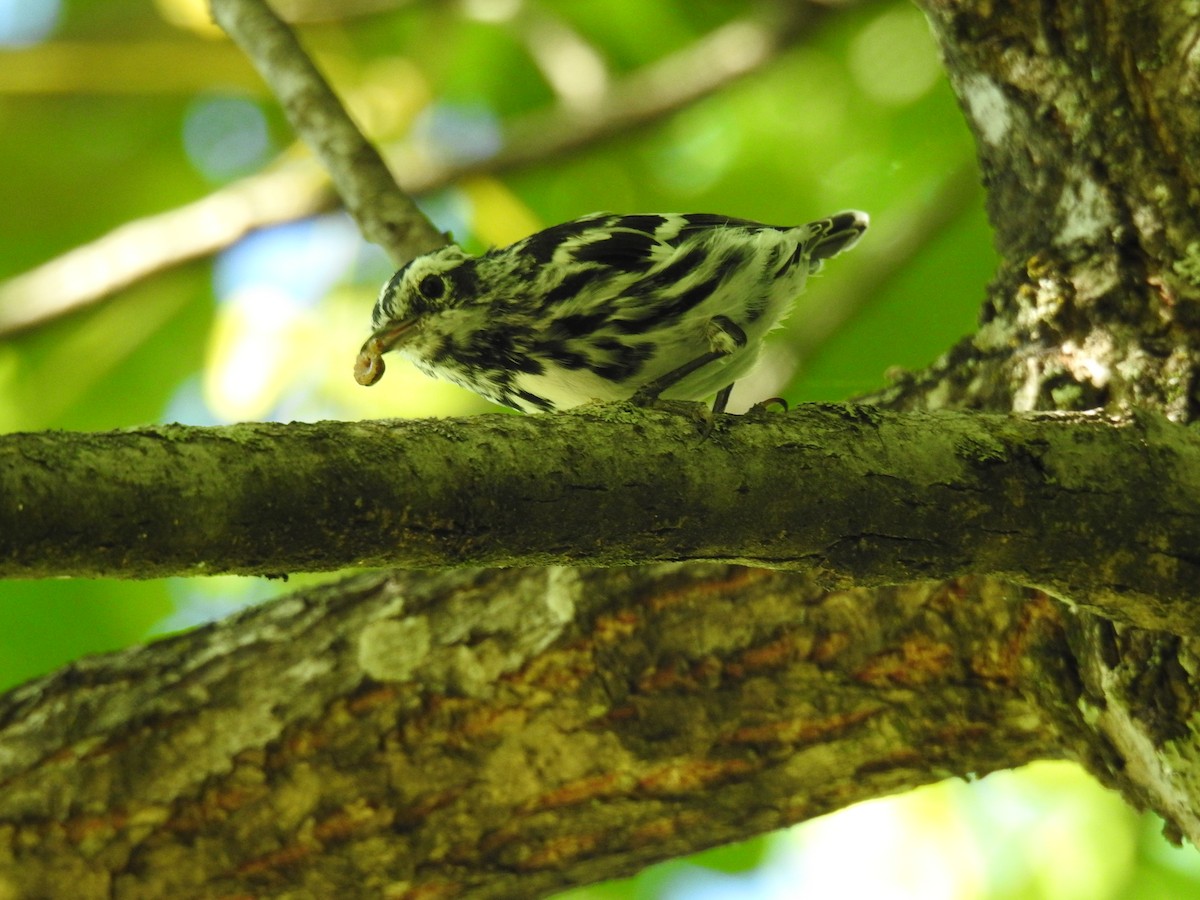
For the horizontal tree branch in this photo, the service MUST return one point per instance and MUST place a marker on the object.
(1099, 510)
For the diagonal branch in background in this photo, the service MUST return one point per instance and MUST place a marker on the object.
(1101, 511)
(384, 213)
(139, 249)
(296, 188)
(506, 733)
(711, 63)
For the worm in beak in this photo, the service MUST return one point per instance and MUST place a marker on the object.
(369, 366)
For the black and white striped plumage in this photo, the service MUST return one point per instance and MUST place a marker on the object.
(603, 308)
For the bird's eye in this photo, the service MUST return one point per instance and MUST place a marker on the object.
(432, 287)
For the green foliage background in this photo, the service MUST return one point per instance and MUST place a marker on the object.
(96, 114)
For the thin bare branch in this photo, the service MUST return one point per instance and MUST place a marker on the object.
(384, 213)
(140, 248)
(712, 62)
(573, 67)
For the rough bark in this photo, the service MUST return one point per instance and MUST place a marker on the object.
(1087, 120)
(1087, 123)
(506, 733)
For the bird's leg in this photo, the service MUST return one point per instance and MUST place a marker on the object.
(724, 336)
(649, 392)
(722, 399)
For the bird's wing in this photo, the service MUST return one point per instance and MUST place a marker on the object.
(624, 242)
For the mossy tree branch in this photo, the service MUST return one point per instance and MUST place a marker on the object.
(1104, 512)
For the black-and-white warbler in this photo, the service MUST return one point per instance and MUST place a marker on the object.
(606, 307)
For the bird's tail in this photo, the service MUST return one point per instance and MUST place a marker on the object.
(831, 236)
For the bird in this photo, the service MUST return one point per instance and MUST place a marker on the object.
(606, 307)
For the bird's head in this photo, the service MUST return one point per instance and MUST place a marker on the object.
(416, 294)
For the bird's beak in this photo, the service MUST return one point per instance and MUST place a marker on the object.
(369, 367)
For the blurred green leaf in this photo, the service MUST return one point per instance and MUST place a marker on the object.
(46, 624)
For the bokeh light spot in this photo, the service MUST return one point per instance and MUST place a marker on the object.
(894, 59)
(24, 22)
(225, 137)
